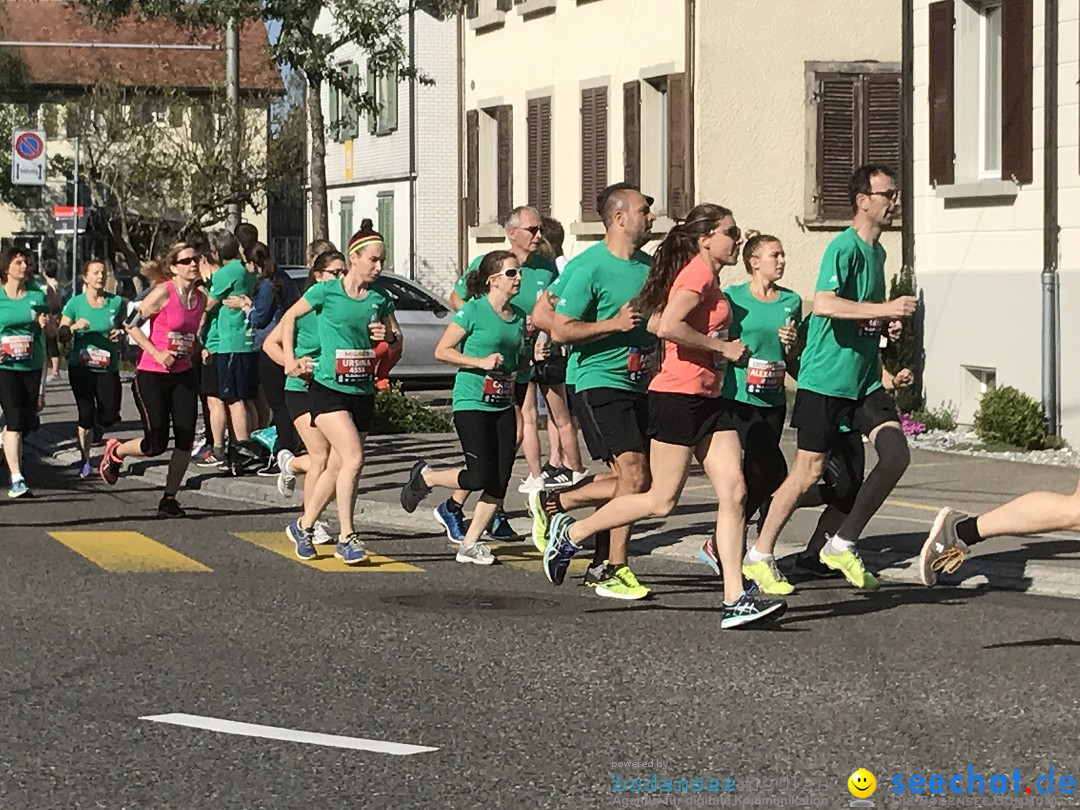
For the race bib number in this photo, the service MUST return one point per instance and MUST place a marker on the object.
(765, 376)
(17, 347)
(870, 328)
(93, 357)
(180, 344)
(354, 366)
(640, 363)
(498, 388)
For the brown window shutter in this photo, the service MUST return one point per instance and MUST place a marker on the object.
(838, 142)
(504, 5)
(504, 118)
(941, 91)
(472, 160)
(539, 137)
(593, 150)
(1016, 90)
(632, 132)
(678, 200)
(472, 9)
(881, 116)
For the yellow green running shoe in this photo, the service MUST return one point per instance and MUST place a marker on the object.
(768, 577)
(540, 519)
(851, 566)
(620, 583)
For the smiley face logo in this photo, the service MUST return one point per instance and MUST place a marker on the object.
(862, 784)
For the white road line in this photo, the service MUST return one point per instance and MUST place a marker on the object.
(288, 734)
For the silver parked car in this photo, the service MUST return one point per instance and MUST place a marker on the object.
(423, 317)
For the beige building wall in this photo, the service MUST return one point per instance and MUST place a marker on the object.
(978, 259)
(558, 48)
(751, 113)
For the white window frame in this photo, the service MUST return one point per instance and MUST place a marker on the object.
(987, 172)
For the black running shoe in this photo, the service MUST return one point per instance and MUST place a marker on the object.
(168, 508)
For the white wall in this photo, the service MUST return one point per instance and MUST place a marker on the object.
(978, 262)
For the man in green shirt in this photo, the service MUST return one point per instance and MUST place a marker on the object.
(613, 365)
(839, 378)
(230, 378)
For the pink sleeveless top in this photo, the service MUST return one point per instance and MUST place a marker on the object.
(174, 329)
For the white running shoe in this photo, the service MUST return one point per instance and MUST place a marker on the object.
(531, 484)
(286, 481)
(322, 534)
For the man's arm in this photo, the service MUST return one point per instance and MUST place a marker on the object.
(565, 329)
(828, 304)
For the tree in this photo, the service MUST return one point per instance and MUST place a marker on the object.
(907, 351)
(155, 166)
(373, 25)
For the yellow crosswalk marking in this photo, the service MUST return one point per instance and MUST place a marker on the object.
(525, 556)
(128, 552)
(278, 543)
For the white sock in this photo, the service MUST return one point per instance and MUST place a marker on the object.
(838, 545)
(753, 555)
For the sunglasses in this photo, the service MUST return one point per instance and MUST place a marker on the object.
(733, 233)
(187, 261)
(889, 194)
(509, 272)
(534, 230)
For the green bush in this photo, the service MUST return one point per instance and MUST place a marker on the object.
(1012, 417)
(397, 413)
(943, 418)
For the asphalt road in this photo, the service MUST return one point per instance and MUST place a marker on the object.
(533, 696)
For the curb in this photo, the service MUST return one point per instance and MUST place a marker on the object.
(1035, 578)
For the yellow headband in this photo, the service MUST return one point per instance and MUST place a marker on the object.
(361, 242)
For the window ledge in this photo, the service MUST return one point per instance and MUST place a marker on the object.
(492, 232)
(978, 189)
(535, 7)
(489, 19)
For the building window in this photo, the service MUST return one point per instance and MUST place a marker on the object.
(346, 217)
(344, 116)
(386, 226)
(539, 126)
(489, 143)
(980, 91)
(594, 147)
(384, 87)
(853, 119)
(655, 131)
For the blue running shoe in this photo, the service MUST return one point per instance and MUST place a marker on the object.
(560, 549)
(414, 489)
(452, 519)
(500, 529)
(352, 551)
(18, 489)
(707, 555)
(303, 540)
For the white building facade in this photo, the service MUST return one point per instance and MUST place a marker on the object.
(981, 201)
(400, 169)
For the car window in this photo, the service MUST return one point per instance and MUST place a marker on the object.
(407, 297)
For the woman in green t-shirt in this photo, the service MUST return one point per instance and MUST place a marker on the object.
(92, 323)
(327, 266)
(485, 341)
(25, 322)
(765, 317)
(353, 316)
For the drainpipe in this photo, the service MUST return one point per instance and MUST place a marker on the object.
(462, 233)
(413, 229)
(1050, 306)
(688, 50)
(907, 152)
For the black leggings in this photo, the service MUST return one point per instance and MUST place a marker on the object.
(272, 380)
(165, 398)
(19, 392)
(764, 465)
(97, 396)
(489, 440)
(208, 432)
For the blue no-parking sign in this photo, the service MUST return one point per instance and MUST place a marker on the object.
(28, 157)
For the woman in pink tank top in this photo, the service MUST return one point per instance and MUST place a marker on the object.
(166, 389)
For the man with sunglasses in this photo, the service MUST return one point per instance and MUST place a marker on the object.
(524, 233)
(839, 383)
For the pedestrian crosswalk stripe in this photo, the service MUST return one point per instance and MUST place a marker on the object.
(529, 559)
(278, 543)
(128, 552)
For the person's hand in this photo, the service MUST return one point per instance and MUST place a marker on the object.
(43, 319)
(491, 362)
(788, 336)
(734, 351)
(206, 356)
(628, 318)
(541, 350)
(165, 358)
(902, 307)
(896, 328)
(301, 367)
(79, 325)
(115, 334)
(237, 302)
(377, 330)
(904, 378)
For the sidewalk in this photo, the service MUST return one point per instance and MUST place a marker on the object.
(1045, 565)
